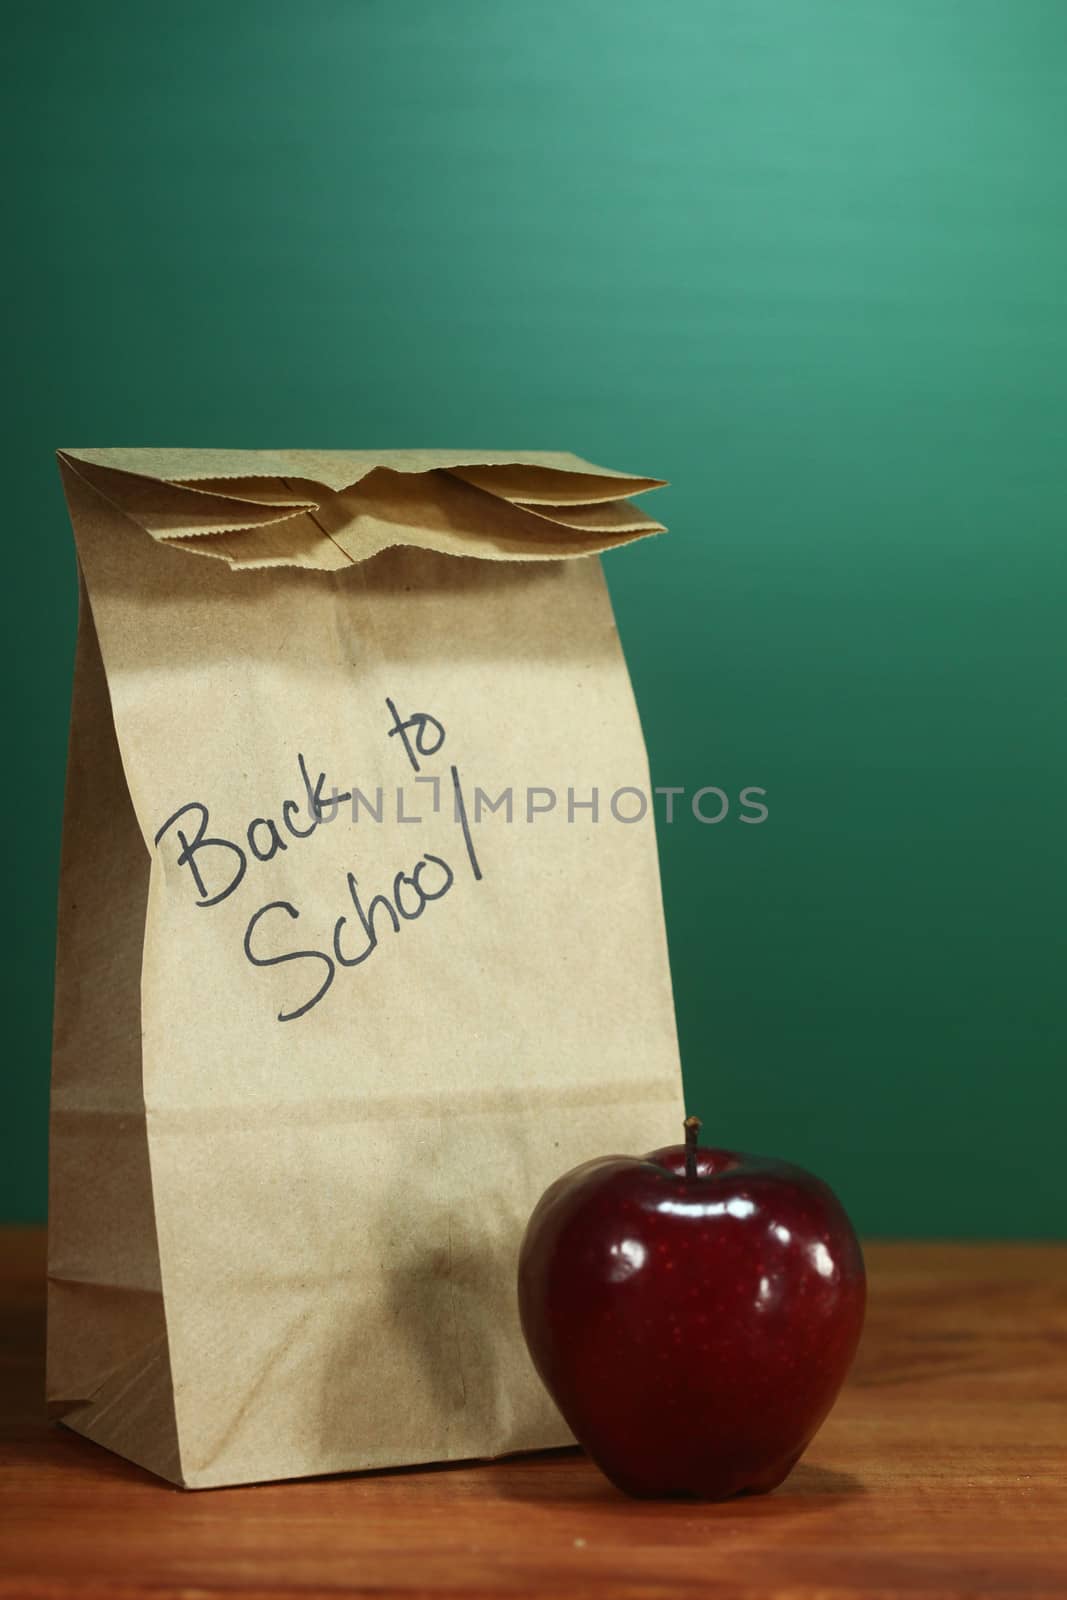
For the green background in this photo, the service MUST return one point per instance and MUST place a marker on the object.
(807, 259)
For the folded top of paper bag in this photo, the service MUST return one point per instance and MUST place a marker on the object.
(326, 509)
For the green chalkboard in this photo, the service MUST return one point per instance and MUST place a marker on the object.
(807, 259)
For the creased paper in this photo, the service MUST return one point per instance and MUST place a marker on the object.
(314, 1065)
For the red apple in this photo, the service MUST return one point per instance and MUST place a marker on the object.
(693, 1314)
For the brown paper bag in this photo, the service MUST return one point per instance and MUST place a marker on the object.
(326, 1023)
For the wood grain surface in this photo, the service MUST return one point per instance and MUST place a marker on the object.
(942, 1472)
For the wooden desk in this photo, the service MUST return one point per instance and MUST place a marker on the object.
(942, 1472)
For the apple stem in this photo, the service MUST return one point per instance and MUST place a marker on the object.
(692, 1133)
